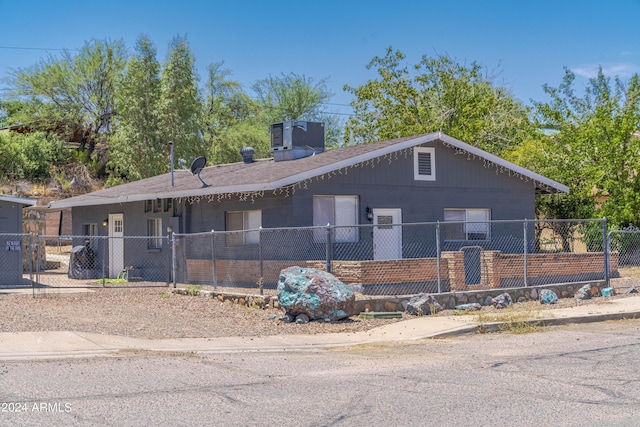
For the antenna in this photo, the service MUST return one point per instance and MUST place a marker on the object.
(196, 167)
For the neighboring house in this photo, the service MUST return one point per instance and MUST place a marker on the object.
(12, 245)
(425, 178)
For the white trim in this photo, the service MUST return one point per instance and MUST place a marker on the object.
(19, 200)
(416, 164)
(505, 163)
(312, 173)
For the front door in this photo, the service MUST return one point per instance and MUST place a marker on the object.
(387, 233)
(116, 244)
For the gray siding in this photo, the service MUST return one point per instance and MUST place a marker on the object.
(10, 217)
(462, 181)
(153, 263)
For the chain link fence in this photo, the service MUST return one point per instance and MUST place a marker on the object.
(381, 259)
(624, 251)
(395, 259)
(51, 262)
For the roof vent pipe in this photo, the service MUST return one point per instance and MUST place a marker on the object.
(247, 154)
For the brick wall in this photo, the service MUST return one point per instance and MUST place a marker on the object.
(495, 267)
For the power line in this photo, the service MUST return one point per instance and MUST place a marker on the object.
(339, 105)
(35, 48)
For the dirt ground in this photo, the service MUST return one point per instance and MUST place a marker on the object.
(158, 313)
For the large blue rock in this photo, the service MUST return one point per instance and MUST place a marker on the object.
(315, 293)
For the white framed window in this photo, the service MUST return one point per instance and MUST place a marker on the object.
(424, 163)
(470, 224)
(244, 220)
(340, 211)
(154, 231)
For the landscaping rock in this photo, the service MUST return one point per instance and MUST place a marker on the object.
(608, 292)
(302, 318)
(547, 296)
(423, 304)
(314, 293)
(288, 318)
(583, 293)
(474, 306)
(502, 301)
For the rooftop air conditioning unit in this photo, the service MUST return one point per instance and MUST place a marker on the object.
(293, 139)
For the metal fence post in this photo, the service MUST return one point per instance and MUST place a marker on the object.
(104, 259)
(261, 279)
(214, 273)
(37, 255)
(605, 251)
(33, 289)
(438, 257)
(173, 259)
(525, 252)
(328, 248)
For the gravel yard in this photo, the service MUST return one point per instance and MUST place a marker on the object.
(153, 313)
(157, 313)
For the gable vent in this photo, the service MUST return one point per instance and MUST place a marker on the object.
(424, 163)
(424, 166)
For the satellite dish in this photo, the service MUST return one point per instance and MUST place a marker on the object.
(196, 167)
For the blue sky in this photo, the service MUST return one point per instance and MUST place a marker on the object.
(529, 42)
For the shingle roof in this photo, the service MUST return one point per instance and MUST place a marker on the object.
(267, 174)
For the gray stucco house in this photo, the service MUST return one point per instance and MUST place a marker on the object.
(424, 178)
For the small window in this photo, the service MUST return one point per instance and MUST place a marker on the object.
(339, 211)
(424, 167)
(154, 231)
(147, 205)
(244, 220)
(168, 205)
(469, 224)
(157, 205)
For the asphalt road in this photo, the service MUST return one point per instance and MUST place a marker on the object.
(578, 375)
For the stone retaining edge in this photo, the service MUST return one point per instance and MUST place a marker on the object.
(448, 300)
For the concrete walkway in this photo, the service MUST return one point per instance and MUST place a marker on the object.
(64, 344)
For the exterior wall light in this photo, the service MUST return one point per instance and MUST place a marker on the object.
(369, 214)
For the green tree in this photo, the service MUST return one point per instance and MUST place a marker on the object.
(30, 156)
(231, 119)
(181, 107)
(595, 150)
(138, 150)
(74, 95)
(297, 97)
(437, 94)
